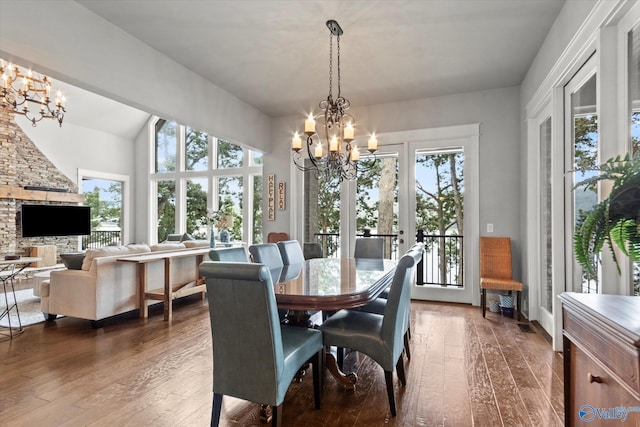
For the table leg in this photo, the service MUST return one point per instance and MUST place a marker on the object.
(168, 297)
(7, 311)
(347, 380)
(142, 285)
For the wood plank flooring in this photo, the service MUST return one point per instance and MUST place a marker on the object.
(464, 371)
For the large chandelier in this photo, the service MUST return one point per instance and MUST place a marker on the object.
(29, 94)
(334, 155)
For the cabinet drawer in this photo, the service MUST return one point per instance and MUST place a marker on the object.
(621, 358)
(595, 389)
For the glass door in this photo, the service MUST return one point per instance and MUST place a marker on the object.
(581, 157)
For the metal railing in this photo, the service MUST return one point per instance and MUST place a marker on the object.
(330, 243)
(98, 239)
(442, 261)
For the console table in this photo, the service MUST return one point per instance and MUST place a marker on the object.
(8, 270)
(169, 292)
(601, 345)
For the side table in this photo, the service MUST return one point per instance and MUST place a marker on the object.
(8, 270)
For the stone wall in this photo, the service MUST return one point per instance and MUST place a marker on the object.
(23, 164)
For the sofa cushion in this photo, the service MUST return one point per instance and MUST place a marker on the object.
(186, 237)
(111, 251)
(73, 260)
(167, 247)
(196, 243)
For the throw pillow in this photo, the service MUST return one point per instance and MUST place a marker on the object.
(186, 237)
(73, 261)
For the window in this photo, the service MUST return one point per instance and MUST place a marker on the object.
(195, 172)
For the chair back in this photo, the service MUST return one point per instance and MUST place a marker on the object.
(396, 311)
(234, 254)
(312, 250)
(275, 237)
(369, 247)
(269, 255)
(291, 252)
(495, 258)
(247, 339)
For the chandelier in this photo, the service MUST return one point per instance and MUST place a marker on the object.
(334, 155)
(29, 94)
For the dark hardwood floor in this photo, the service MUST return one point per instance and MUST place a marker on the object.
(464, 371)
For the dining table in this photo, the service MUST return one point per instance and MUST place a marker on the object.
(327, 285)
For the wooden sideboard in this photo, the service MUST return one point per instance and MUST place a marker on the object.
(601, 346)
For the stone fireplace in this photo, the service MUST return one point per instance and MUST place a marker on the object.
(22, 165)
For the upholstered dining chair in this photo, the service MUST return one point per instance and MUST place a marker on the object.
(312, 250)
(378, 336)
(269, 255)
(234, 253)
(379, 304)
(255, 357)
(369, 247)
(495, 269)
(291, 252)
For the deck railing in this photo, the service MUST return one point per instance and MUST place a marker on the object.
(98, 239)
(442, 261)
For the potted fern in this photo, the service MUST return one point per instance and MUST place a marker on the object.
(616, 219)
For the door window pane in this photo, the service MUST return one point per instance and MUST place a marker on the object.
(585, 159)
(196, 150)
(322, 212)
(546, 295)
(440, 214)
(377, 201)
(634, 100)
(105, 199)
(166, 204)
(166, 143)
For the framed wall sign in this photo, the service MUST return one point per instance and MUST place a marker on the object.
(282, 192)
(271, 197)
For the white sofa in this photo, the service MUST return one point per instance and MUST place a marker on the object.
(105, 287)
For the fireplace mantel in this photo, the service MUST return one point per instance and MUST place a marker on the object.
(19, 193)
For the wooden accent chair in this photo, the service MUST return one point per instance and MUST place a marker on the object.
(495, 269)
(275, 237)
(255, 357)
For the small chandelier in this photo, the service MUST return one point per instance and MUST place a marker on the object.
(338, 156)
(29, 94)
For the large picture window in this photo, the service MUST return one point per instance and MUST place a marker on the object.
(194, 173)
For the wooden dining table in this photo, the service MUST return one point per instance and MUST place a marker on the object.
(328, 285)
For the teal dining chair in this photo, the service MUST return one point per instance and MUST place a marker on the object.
(235, 253)
(378, 336)
(369, 247)
(291, 252)
(254, 356)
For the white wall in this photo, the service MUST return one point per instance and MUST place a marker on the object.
(496, 110)
(71, 147)
(72, 44)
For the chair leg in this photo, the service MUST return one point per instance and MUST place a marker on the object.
(216, 408)
(276, 420)
(340, 357)
(518, 302)
(406, 345)
(483, 301)
(388, 378)
(318, 374)
(409, 332)
(400, 371)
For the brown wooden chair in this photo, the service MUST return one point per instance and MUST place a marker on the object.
(495, 269)
(275, 237)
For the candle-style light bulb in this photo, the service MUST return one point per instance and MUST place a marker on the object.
(310, 125)
(333, 144)
(318, 150)
(296, 142)
(348, 132)
(355, 154)
(373, 143)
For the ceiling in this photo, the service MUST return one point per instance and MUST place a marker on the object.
(274, 54)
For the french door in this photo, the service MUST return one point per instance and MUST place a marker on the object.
(388, 200)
